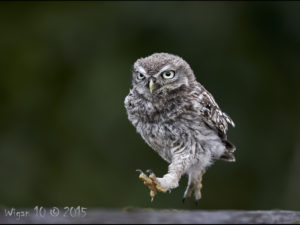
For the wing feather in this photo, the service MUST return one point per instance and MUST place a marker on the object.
(212, 112)
(216, 119)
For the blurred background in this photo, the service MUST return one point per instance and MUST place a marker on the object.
(65, 69)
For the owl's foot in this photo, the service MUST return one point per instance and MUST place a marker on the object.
(194, 186)
(188, 192)
(151, 182)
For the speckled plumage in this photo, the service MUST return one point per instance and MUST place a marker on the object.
(180, 120)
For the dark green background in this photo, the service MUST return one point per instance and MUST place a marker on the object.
(65, 69)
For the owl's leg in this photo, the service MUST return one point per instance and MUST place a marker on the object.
(198, 186)
(194, 185)
(190, 188)
(151, 182)
(177, 168)
(168, 181)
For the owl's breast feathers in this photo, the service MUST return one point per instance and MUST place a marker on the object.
(197, 105)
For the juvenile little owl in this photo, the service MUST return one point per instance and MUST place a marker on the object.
(179, 119)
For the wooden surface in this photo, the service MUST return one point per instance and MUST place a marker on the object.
(161, 216)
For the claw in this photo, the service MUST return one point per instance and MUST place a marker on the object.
(151, 182)
(139, 170)
(149, 172)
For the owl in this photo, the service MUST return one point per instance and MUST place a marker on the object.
(179, 119)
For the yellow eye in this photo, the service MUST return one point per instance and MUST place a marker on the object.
(140, 76)
(168, 74)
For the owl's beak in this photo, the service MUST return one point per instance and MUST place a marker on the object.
(151, 86)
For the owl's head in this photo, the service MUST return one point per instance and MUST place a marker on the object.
(161, 75)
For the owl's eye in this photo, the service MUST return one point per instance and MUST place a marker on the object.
(140, 76)
(168, 74)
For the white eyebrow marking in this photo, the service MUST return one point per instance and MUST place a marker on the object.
(141, 70)
(163, 69)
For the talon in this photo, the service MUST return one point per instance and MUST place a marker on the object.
(139, 170)
(152, 193)
(151, 182)
(149, 172)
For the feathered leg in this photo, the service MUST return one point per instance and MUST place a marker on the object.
(194, 185)
(168, 181)
(190, 188)
(198, 186)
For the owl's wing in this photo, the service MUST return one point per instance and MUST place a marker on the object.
(212, 112)
(216, 119)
